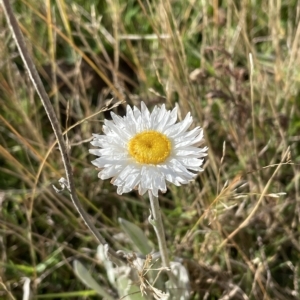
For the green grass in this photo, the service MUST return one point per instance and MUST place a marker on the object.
(250, 112)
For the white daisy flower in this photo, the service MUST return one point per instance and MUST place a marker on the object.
(142, 150)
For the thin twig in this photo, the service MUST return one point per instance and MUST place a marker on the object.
(35, 78)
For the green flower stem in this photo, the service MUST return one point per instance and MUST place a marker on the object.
(159, 229)
(160, 233)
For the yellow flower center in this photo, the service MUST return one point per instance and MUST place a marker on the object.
(149, 147)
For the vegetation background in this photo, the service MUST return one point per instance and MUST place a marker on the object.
(234, 64)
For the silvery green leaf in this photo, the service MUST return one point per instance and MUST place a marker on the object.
(182, 286)
(136, 235)
(84, 275)
(156, 275)
(108, 265)
(127, 290)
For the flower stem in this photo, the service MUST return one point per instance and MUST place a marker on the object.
(159, 229)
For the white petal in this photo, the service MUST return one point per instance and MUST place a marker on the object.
(137, 113)
(173, 116)
(142, 190)
(162, 123)
(191, 151)
(118, 120)
(145, 117)
(109, 172)
(180, 127)
(103, 161)
(169, 174)
(122, 177)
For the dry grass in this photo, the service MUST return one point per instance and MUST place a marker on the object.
(235, 66)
